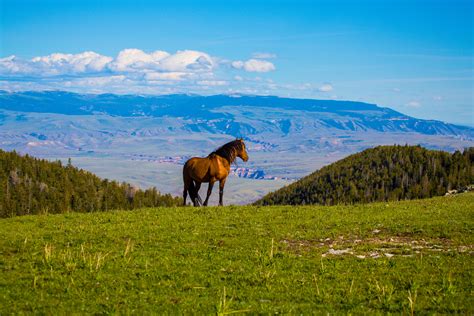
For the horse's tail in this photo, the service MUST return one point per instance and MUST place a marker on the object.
(193, 192)
(190, 186)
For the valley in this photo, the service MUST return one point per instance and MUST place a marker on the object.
(145, 140)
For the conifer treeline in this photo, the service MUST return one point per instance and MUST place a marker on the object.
(33, 186)
(385, 173)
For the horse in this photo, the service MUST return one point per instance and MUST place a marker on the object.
(215, 167)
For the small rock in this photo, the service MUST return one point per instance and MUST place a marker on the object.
(338, 252)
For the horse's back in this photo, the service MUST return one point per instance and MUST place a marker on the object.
(195, 162)
(205, 169)
(196, 168)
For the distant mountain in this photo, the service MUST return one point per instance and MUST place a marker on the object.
(217, 114)
(35, 186)
(385, 173)
(146, 139)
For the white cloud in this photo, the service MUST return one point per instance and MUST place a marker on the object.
(181, 61)
(437, 98)
(212, 83)
(96, 81)
(55, 64)
(263, 55)
(13, 65)
(73, 63)
(188, 60)
(238, 64)
(132, 59)
(165, 76)
(254, 65)
(325, 87)
(414, 104)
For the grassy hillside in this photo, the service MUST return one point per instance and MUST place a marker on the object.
(33, 186)
(403, 257)
(384, 173)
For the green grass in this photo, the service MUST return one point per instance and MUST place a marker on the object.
(405, 257)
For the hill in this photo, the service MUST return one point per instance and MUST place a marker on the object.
(409, 257)
(33, 186)
(381, 174)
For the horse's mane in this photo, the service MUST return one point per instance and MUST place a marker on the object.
(229, 151)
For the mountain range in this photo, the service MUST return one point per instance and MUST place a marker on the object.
(146, 139)
(341, 115)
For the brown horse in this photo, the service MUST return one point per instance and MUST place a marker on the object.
(215, 167)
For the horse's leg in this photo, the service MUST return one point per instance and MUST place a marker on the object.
(188, 186)
(221, 191)
(197, 186)
(209, 191)
(185, 195)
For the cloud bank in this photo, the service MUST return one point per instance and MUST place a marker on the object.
(157, 72)
(129, 60)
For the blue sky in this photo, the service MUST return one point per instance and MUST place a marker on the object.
(413, 56)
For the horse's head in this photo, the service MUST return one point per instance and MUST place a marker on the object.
(242, 152)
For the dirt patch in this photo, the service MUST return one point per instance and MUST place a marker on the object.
(375, 247)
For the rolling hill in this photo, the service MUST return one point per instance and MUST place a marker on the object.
(380, 174)
(34, 186)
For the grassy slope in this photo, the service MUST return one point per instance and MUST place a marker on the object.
(259, 259)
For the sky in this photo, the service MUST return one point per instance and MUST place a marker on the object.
(415, 56)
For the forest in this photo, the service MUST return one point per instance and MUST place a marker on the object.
(35, 186)
(384, 173)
